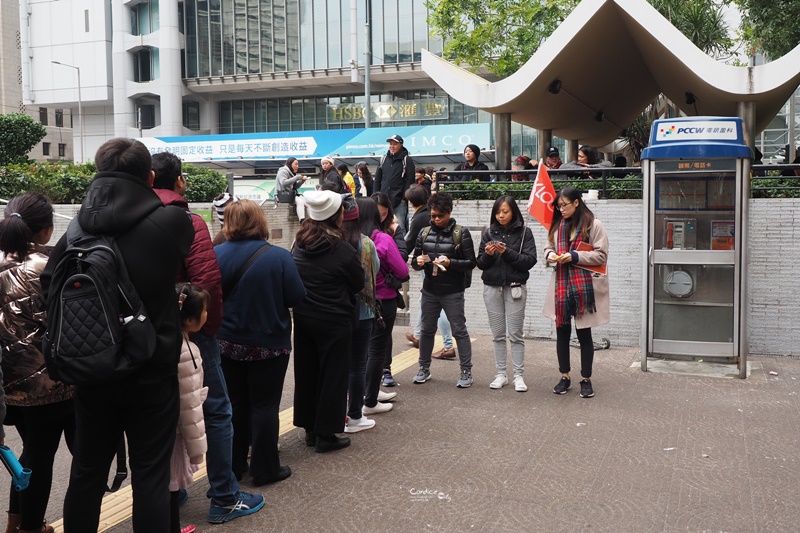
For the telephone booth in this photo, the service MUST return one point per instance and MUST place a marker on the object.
(696, 188)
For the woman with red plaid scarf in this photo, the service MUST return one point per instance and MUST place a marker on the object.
(576, 240)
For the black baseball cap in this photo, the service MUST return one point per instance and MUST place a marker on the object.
(552, 152)
(395, 138)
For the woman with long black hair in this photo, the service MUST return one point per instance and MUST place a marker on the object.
(507, 252)
(576, 240)
(40, 408)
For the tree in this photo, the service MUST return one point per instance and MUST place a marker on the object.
(500, 35)
(19, 133)
(770, 26)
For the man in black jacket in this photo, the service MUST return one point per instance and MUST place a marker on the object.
(153, 239)
(394, 175)
(446, 254)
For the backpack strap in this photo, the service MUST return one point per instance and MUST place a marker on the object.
(227, 288)
(405, 162)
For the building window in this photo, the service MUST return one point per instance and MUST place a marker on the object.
(145, 64)
(62, 149)
(147, 116)
(45, 148)
(59, 118)
(43, 115)
(191, 115)
(144, 17)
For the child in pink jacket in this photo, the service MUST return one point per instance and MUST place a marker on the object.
(190, 442)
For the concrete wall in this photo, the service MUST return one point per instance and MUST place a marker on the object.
(773, 270)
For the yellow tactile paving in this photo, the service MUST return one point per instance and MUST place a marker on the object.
(117, 506)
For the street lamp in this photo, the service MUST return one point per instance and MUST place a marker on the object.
(80, 106)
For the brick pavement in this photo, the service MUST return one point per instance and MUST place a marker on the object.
(651, 452)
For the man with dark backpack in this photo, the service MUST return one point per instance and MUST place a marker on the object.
(445, 251)
(143, 402)
(394, 175)
(201, 268)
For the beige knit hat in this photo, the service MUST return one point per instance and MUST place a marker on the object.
(322, 205)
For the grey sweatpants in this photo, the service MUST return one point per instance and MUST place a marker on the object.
(506, 315)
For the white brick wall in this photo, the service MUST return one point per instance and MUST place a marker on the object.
(773, 269)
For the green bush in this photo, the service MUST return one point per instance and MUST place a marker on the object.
(66, 183)
(616, 188)
(204, 184)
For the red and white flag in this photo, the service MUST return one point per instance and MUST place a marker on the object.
(540, 204)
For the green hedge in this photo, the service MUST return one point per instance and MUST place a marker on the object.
(616, 188)
(66, 183)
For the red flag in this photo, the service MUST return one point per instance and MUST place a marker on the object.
(540, 204)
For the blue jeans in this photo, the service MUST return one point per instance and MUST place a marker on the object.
(443, 324)
(401, 213)
(219, 425)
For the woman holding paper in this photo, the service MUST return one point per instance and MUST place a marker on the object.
(577, 245)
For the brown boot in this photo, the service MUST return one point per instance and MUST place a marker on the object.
(14, 520)
(44, 529)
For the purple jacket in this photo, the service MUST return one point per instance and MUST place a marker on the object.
(391, 261)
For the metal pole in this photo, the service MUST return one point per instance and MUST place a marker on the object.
(81, 118)
(367, 63)
(80, 108)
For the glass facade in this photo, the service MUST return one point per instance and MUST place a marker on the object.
(144, 17)
(226, 37)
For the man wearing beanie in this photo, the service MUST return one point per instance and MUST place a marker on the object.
(394, 175)
(323, 322)
(471, 155)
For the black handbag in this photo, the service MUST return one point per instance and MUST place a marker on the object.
(285, 197)
(393, 283)
(401, 302)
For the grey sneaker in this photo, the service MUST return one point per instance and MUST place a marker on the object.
(422, 376)
(465, 380)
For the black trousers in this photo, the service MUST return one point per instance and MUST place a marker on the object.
(563, 334)
(380, 353)
(255, 389)
(40, 428)
(321, 372)
(148, 416)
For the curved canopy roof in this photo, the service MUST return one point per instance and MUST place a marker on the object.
(612, 58)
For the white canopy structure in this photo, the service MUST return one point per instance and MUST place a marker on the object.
(606, 62)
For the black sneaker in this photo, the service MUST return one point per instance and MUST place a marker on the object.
(563, 385)
(328, 442)
(586, 389)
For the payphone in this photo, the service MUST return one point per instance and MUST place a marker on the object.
(695, 188)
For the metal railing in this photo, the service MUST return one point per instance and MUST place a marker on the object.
(610, 182)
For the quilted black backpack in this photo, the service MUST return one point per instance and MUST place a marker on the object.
(98, 330)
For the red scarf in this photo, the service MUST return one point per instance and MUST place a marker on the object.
(574, 293)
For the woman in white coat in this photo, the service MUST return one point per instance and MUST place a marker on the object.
(576, 240)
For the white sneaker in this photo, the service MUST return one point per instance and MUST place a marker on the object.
(499, 381)
(379, 408)
(519, 384)
(386, 396)
(354, 425)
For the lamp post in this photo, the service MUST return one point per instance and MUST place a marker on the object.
(80, 106)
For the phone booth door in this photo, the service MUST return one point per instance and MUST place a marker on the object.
(694, 196)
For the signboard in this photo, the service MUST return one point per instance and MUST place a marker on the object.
(696, 130)
(356, 142)
(394, 111)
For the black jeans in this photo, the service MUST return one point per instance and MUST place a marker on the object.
(321, 373)
(40, 429)
(379, 346)
(358, 368)
(563, 334)
(255, 389)
(147, 414)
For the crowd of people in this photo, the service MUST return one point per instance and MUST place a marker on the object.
(229, 313)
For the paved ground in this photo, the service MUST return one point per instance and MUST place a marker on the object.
(651, 452)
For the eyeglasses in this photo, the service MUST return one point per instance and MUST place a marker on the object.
(561, 207)
(439, 215)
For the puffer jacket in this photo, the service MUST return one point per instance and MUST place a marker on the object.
(200, 266)
(26, 381)
(191, 424)
(441, 242)
(514, 264)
